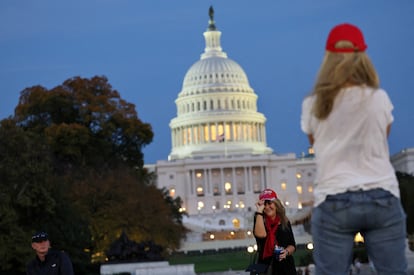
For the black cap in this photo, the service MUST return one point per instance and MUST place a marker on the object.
(39, 237)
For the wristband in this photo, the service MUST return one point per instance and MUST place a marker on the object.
(258, 213)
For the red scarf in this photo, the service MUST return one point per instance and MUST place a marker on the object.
(271, 228)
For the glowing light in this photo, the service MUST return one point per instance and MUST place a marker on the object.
(358, 238)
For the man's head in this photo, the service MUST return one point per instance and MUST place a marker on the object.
(40, 243)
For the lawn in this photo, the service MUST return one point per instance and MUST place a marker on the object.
(213, 261)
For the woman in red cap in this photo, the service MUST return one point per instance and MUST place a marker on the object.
(272, 230)
(347, 118)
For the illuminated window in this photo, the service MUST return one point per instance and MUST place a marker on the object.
(298, 175)
(299, 189)
(236, 224)
(310, 189)
(172, 192)
(206, 133)
(213, 131)
(227, 131)
(200, 191)
(227, 187)
(283, 186)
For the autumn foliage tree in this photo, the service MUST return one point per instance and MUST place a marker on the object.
(86, 123)
(71, 163)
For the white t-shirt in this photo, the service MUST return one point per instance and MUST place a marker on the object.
(351, 146)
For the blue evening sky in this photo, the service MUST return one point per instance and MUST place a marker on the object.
(145, 47)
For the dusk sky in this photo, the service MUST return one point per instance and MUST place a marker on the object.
(145, 47)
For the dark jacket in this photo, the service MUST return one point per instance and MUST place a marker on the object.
(55, 263)
(284, 237)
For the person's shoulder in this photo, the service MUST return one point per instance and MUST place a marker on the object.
(308, 100)
(377, 91)
(381, 95)
(57, 253)
(31, 263)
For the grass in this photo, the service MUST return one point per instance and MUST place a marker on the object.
(214, 261)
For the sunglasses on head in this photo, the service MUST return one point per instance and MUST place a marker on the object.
(267, 202)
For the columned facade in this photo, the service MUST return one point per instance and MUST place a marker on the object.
(220, 161)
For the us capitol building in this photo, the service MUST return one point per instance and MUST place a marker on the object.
(220, 160)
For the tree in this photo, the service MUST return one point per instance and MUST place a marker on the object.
(71, 164)
(86, 123)
(30, 197)
(117, 201)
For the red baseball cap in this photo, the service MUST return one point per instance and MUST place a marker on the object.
(268, 194)
(349, 33)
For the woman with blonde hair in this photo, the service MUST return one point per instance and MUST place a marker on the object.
(273, 231)
(347, 119)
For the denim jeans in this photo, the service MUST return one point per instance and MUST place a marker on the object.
(380, 218)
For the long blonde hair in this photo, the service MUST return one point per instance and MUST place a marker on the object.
(281, 212)
(337, 71)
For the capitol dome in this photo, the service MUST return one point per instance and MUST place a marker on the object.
(216, 107)
(213, 72)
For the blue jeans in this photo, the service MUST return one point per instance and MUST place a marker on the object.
(380, 218)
